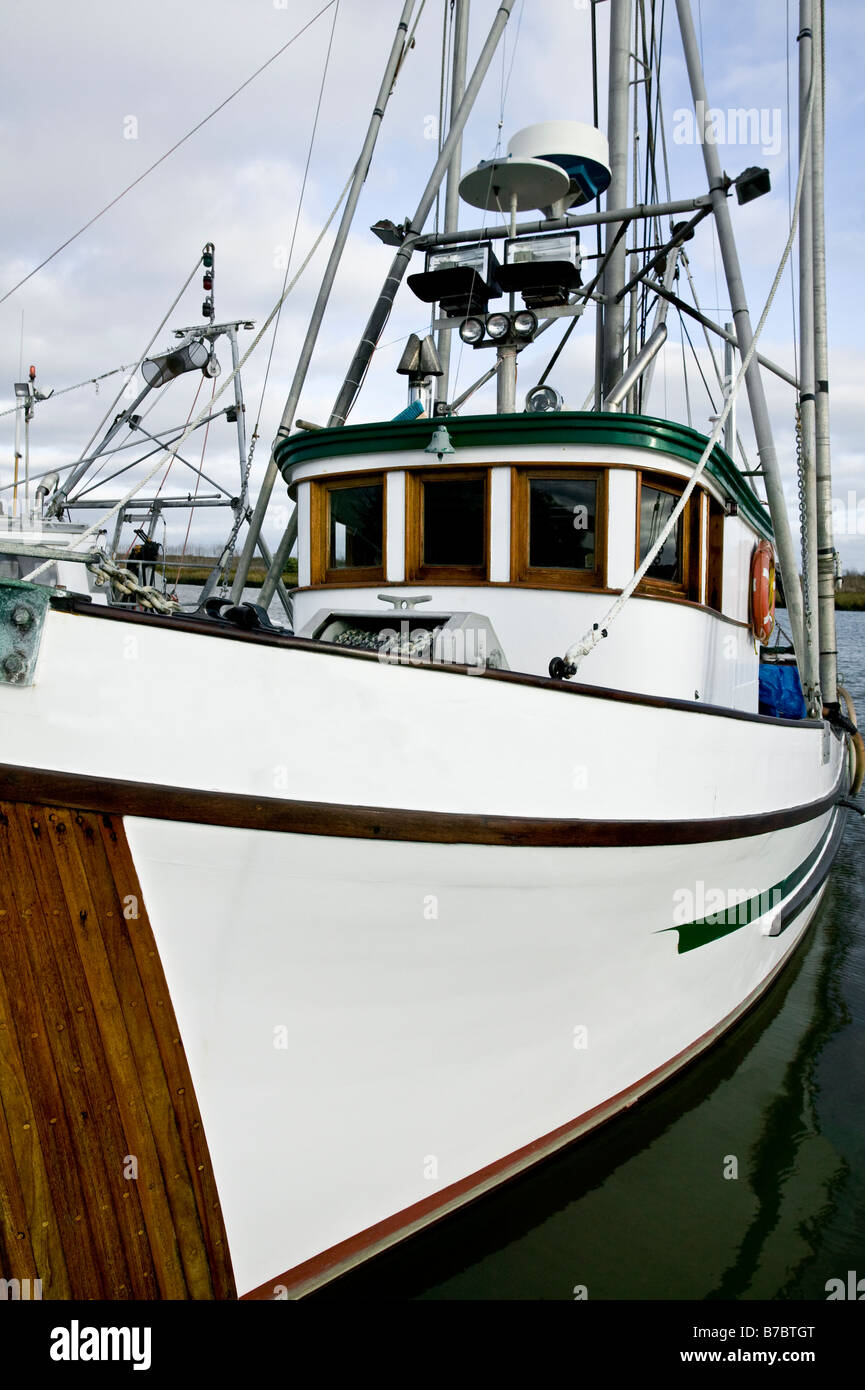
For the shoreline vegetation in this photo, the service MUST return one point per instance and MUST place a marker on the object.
(194, 569)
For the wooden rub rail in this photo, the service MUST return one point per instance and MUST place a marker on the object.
(106, 1185)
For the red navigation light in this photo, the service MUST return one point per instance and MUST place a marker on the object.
(32, 373)
(207, 282)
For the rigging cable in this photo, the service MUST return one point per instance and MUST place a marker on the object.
(64, 390)
(106, 416)
(98, 525)
(296, 222)
(163, 157)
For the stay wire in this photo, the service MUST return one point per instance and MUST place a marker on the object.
(162, 158)
(296, 220)
(112, 511)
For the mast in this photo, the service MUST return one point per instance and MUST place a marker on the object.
(360, 173)
(744, 333)
(825, 537)
(401, 261)
(618, 137)
(807, 430)
(399, 266)
(452, 193)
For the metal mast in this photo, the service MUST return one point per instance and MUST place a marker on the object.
(744, 333)
(618, 136)
(401, 261)
(400, 265)
(807, 464)
(825, 537)
(452, 194)
(360, 173)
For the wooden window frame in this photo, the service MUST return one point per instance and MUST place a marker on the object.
(319, 527)
(542, 577)
(692, 539)
(715, 556)
(415, 568)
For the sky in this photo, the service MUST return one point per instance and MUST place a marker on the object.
(95, 92)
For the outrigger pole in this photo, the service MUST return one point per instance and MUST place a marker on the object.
(399, 266)
(744, 333)
(285, 426)
(452, 194)
(825, 536)
(807, 430)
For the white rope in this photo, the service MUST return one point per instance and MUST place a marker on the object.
(171, 453)
(598, 631)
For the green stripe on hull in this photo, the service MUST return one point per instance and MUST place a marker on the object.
(719, 924)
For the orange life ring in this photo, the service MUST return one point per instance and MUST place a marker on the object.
(763, 592)
(857, 747)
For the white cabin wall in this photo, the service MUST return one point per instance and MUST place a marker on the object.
(500, 524)
(673, 650)
(303, 537)
(622, 529)
(395, 515)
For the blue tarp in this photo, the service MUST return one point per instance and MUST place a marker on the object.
(781, 692)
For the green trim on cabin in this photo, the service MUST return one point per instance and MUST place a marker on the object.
(737, 915)
(563, 427)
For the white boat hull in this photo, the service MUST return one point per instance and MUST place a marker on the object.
(370, 1026)
(419, 927)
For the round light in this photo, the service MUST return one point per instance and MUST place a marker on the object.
(498, 326)
(526, 323)
(471, 330)
(543, 399)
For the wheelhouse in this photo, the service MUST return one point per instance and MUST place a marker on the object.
(535, 524)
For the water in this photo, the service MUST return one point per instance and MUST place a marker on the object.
(641, 1210)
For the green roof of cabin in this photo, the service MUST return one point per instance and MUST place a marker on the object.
(562, 427)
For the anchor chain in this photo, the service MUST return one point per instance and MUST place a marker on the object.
(803, 529)
(228, 550)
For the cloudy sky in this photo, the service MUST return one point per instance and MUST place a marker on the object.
(95, 92)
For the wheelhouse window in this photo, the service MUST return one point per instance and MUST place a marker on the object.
(559, 527)
(447, 526)
(676, 568)
(348, 530)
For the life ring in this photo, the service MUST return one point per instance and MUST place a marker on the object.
(763, 592)
(857, 747)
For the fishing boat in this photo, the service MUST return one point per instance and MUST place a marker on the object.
(521, 814)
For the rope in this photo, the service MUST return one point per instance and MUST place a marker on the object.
(599, 631)
(124, 501)
(163, 157)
